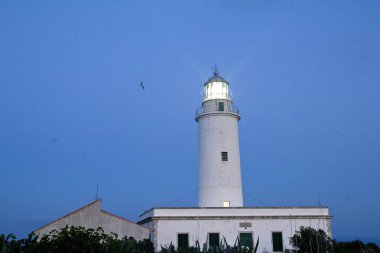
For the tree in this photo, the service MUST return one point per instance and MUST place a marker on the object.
(355, 247)
(310, 240)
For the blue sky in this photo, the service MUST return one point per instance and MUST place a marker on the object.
(305, 75)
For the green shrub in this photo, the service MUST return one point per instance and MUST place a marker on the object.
(74, 240)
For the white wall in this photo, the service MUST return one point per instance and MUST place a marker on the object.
(167, 230)
(91, 216)
(167, 223)
(219, 181)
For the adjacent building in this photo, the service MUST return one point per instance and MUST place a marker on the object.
(92, 216)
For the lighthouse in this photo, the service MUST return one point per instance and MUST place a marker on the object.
(220, 215)
(219, 176)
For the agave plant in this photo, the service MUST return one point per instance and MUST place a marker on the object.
(169, 249)
(240, 248)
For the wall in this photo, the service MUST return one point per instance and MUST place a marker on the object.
(219, 181)
(91, 216)
(167, 223)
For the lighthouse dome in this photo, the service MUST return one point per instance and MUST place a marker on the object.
(216, 78)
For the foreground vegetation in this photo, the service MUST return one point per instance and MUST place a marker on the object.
(223, 247)
(310, 240)
(82, 240)
(74, 240)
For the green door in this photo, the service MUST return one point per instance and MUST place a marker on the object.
(277, 241)
(213, 240)
(183, 241)
(246, 240)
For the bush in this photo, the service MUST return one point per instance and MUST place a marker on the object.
(355, 247)
(308, 239)
(74, 240)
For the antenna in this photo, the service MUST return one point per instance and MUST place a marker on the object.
(97, 192)
(215, 68)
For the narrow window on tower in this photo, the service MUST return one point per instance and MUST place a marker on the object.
(221, 106)
(224, 157)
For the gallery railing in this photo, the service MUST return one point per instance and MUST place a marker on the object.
(215, 108)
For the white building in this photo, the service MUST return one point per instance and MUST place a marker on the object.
(220, 213)
(92, 216)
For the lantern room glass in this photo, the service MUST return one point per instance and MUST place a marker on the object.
(216, 90)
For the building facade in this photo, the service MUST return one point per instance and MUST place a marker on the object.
(209, 226)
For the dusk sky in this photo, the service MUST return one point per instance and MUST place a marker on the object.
(305, 75)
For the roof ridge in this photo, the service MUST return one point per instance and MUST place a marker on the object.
(83, 207)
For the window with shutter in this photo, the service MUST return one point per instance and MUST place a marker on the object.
(277, 241)
(183, 241)
(221, 106)
(213, 239)
(224, 156)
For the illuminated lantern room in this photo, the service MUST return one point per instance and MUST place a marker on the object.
(216, 97)
(216, 88)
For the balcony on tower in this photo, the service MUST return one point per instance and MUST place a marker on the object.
(217, 107)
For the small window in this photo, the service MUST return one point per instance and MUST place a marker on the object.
(246, 240)
(213, 240)
(183, 241)
(224, 156)
(221, 106)
(277, 241)
(226, 204)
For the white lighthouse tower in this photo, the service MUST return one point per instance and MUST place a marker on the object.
(218, 140)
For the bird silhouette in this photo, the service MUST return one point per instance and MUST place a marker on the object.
(142, 85)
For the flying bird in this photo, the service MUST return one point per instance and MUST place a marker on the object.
(54, 140)
(142, 85)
